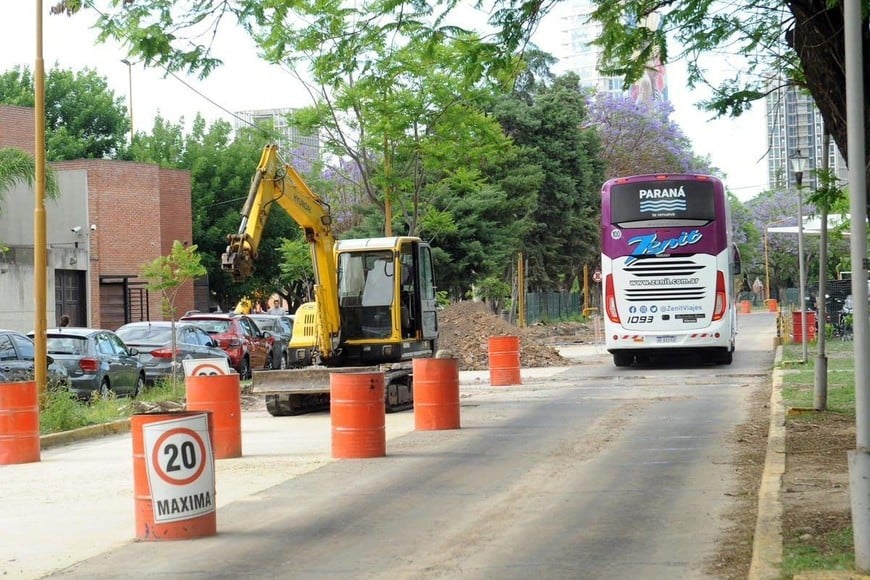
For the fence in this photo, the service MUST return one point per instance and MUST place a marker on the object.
(543, 306)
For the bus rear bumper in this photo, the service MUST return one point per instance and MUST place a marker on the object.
(663, 341)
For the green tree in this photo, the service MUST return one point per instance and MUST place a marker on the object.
(783, 43)
(168, 274)
(84, 119)
(221, 167)
(297, 272)
(392, 89)
(564, 222)
(745, 234)
(793, 42)
(17, 166)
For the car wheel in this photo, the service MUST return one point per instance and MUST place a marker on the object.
(245, 370)
(105, 389)
(140, 386)
(284, 361)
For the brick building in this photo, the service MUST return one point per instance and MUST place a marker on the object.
(111, 218)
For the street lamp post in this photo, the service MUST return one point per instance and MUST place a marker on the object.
(766, 270)
(130, 94)
(798, 166)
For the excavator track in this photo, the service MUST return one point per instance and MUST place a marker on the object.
(398, 396)
(288, 405)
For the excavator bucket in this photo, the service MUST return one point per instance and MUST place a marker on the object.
(237, 259)
(297, 391)
(299, 381)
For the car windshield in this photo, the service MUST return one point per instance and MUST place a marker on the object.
(132, 334)
(66, 345)
(214, 326)
(265, 323)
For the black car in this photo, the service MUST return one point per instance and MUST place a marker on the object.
(279, 328)
(17, 353)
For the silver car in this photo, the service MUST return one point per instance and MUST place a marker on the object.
(153, 340)
(96, 361)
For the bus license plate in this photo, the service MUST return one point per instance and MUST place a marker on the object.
(669, 339)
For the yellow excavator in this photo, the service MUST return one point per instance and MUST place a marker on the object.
(374, 298)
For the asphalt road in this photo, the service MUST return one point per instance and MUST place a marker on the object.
(581, 472)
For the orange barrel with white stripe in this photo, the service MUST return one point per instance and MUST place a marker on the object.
(504, 360)
(220, 394)
(173, 475)
(19, 423)
(436, 394)
(357, 411)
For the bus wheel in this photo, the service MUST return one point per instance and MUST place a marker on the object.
(725, 357)
(622, 359)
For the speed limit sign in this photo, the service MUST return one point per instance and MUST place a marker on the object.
(596, 275)
(180, 466)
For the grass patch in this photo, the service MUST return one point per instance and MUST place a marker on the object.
(838, 555)
(61, 411)
(798, 388)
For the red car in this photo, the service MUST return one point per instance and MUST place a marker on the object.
(239, 336)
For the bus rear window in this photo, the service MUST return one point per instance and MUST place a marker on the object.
(661, 204)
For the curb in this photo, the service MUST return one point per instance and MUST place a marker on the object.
(767, 545)
(89, 432)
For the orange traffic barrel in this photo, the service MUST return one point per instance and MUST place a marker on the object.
(772, 305)
(745, 306)
(436, 393)
(357, 411)
(19, 423)
(797, 327)
(504, 360)
(173, 475)
(220, 394)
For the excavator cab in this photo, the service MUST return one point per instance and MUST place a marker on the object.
(387, 303)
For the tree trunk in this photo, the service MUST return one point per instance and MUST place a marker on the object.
(819, 41)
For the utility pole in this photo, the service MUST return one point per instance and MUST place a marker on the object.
(859, 459)
(820, 385)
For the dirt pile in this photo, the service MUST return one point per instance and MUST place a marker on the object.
(465, 328)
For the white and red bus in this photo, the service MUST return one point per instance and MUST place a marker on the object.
(668, 266)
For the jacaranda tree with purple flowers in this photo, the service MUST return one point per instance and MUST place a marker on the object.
(640, 137)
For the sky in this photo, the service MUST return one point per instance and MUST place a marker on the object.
(736, 146)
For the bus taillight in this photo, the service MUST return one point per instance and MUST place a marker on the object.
(610, 300)
(721, 300)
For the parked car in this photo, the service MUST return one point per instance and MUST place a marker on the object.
(153, 340)
(17, 353)
(96, 361)
(239, 336)
(279, 328)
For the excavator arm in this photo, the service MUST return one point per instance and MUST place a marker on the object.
(276, 182)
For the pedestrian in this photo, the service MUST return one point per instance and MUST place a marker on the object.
(64, 320)
(276, 308)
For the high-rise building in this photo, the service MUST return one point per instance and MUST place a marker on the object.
(305, 149)
(794, 124)
(582, 57)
